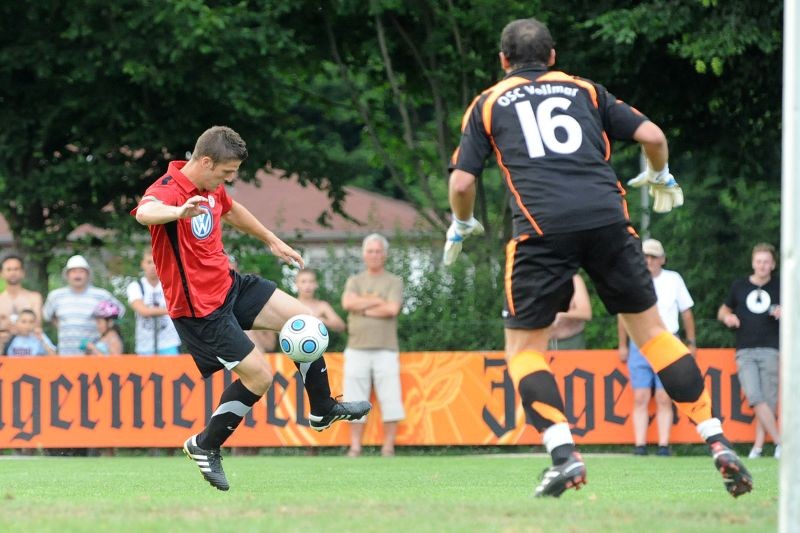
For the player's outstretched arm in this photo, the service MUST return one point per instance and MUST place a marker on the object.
(462, 194)
(654, 144)
(243, 220)
(664, 189)
(462, 203)
(152, 211)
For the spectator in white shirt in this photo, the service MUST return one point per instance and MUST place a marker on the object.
(155, 334)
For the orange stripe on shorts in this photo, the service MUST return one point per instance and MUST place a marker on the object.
(511, 251)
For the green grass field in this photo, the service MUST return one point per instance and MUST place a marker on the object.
(405, 493)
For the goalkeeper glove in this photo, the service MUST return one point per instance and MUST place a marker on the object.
(456, 234)
(666, 192)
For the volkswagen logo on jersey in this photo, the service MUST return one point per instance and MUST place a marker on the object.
(203, 224)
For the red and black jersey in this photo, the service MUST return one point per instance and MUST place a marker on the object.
(188, 253)
(550, 135)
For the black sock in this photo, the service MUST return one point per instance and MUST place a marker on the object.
(315, 381)
(719, 437)
(541, 388)
(560, 454)
(683, 380)
(235, 402)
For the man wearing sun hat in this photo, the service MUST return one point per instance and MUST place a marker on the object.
(70, 308)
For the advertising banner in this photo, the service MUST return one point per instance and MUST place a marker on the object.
(450, 398)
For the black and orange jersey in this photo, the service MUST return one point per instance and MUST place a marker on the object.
(550, 134)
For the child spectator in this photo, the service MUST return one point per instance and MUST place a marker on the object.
(29, 339)
(109, 341)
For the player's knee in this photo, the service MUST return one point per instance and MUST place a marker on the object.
(258, 380)
(265, 379)
(683, 380)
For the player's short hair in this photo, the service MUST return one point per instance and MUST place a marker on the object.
(10, 256)
(765, 247)
(526, 42)
(375, 237)
(221, 144)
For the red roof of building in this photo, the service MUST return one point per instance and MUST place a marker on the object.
(291, 210)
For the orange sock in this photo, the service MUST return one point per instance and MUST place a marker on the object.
(524, 363)
(698, 410)
(680, 375)
(663, 350)
(537, 388)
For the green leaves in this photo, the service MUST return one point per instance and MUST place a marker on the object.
(95, 97)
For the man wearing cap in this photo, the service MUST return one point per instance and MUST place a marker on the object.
(70, 308)
(673, 299)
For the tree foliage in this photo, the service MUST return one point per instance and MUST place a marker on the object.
(96, 96)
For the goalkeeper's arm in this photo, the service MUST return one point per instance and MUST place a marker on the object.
(462, 194)
(654, 144)
(665, 191)
(462, 203)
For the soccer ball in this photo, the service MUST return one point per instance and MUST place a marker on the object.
(304, 338)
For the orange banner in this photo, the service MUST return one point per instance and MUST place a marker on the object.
(451, 398)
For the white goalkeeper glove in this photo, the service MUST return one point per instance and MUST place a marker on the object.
(666, 192)
(456, 233)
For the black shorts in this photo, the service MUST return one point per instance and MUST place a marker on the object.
(539, 270)
(218, 341)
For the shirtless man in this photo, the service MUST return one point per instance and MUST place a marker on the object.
(15, 297)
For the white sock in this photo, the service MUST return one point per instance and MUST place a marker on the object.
(556, 435)
(709, 428)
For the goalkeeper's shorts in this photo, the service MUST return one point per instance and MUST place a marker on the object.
(539, 269)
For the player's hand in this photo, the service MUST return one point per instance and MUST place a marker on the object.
(666, 192)
(286, 253)
(191, 208)
(456, 233)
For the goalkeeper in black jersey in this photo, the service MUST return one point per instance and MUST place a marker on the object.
(550, 133)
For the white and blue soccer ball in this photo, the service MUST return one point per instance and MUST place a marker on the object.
(304, 338)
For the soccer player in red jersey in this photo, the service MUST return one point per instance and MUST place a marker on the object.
(550, 134)
(212, 305)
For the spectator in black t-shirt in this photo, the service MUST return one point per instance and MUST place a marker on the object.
(753, 309)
